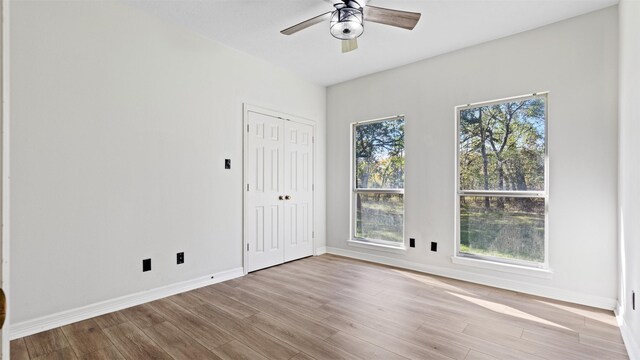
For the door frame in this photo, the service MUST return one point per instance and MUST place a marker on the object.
(4, 182)
(246, 108)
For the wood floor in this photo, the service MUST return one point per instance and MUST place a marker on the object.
(330, 307)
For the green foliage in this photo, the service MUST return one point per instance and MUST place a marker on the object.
(502, 146)
(515, 233)
(379, 150)
(380, 216)
(379, 164)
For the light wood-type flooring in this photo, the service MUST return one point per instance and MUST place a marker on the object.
(329, 307)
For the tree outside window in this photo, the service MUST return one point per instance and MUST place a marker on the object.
(501, 169)
(378, 181)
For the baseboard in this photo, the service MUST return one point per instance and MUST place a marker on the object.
(321, 250)
(48, 322)
(484, 279)
(630, 342)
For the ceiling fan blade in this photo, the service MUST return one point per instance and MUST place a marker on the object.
(349, 45)
(305, 24)
(402, 19)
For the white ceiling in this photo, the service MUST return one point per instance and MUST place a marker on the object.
(253, 26)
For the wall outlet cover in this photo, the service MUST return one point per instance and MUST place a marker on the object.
(146, 265)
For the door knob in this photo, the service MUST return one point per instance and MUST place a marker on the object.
(3, 307)
(280, 197)
(287, 197)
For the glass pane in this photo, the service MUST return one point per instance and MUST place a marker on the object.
(504, 227)
(379, 152)
(380, 217)
(502, 146)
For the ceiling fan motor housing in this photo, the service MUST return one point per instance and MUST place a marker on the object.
(346, 23)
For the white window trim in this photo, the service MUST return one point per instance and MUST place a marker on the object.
(494, 263)
(373, 244)
(544, 273)
(400, 248)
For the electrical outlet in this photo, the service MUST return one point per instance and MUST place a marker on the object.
(146, 265)
(180, 258)
(412, 242)
(434, 246)
(227, 163)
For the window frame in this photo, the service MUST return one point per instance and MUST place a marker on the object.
(458, 193)
(382, 244)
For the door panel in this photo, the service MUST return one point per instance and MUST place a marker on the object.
(298, 172)
(264, 211)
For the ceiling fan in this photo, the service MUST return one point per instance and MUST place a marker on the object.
(347, 20)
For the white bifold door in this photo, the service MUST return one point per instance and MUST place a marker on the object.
(278, 214)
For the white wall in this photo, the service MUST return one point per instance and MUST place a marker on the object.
(576, 61)
(629, 185)
(120, 127)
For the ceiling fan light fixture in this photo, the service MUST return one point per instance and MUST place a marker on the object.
(346, 23)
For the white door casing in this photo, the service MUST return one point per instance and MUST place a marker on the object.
(278, 180)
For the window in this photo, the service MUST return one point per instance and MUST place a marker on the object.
(502, 175)
(378, 182)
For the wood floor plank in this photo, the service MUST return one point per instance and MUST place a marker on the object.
(235, 350)
(143, 316)
(476, 355)
(86, 336)
(602, 332)
(206, 333)
(277, 303)
(258, 340)
(496, 329)
(302, 356)
(212, 295)
(545, 351)
(407, 333)
(305, 292)
(19, 350)
(319, 349)
(108, 353)
(132, 343)
(304, 317)
(189, 299)
(607, 345)
(289, 292)
(496, 350)
(60, 354)
(110, 319)
(46, 342)
(361, 348)
(176, 343)
(385, 341)
(568, 344)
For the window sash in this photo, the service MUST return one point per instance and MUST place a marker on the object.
(355, 210)
(504, 193)
(355, 190)
(379, 191)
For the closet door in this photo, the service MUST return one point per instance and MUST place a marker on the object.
(298, 190)
(264, 194)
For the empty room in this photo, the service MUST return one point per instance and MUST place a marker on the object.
(320, 179)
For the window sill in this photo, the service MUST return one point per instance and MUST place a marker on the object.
(397, 249)
(509, 268)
